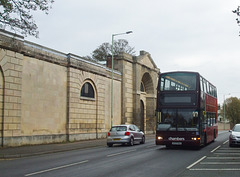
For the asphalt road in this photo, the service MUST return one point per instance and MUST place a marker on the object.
(216, 159)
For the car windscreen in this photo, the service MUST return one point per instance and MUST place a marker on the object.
(236, 128)
(118, 128)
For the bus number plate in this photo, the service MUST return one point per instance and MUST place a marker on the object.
(176, 143)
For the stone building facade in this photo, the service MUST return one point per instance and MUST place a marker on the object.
(139, 83)
(47, 96)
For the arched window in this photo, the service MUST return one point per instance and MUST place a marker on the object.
(142, 89)
(87, 90)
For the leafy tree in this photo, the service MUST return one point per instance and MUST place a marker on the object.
(232, 109)
(16, 14)
(237, 12)
(102, 52)
(105, 49)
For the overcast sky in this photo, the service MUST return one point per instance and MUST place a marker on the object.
(187, 35)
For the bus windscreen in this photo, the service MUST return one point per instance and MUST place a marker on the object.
(179, 120)
(178, 81)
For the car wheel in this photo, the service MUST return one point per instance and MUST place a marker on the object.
(109, 145)
(131, 142)
(143, 140)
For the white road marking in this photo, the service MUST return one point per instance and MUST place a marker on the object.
(56, 168)
(226, 153)
(190, 166)
(229, 149)
(226, 142)
(124, 152)
(220, 163)
(215, 169)
(223, 158)
(215, 149)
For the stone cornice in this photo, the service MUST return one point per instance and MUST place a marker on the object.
(16, 43)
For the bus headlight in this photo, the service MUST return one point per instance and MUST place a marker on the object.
(196, 138)
(159, 138)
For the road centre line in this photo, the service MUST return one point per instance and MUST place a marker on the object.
(215, 149)
(124, 152)
(190, 166)
(56, 168)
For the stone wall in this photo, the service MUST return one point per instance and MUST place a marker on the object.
(40, 100)
(44, 102)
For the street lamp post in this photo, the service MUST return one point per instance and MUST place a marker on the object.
(128, 32)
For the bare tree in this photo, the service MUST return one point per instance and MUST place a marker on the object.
(16, 14)
(237, 12)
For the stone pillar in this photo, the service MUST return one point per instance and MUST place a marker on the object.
(11, 64)
(124, 64)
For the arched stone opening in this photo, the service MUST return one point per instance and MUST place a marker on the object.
(148, 100)
(1, 108)
(142, 116)
(148, 83)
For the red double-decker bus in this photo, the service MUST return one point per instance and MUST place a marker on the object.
(186, 110)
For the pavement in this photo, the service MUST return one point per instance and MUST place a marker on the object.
(34, 150)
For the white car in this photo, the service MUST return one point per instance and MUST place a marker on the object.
(125, 134)
(234, 137)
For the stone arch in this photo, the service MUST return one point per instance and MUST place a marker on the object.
(88, 90)
(142, 116)
(148, 83)
(148, 97)
(90, 81)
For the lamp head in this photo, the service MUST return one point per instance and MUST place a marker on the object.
(128, 32)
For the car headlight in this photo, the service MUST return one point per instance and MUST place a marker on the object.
(232, 136)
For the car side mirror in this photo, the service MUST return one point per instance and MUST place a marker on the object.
(230, 131)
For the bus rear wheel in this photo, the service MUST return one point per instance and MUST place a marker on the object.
(205, 140)
(214, 136)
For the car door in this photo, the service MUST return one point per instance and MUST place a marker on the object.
(138, 133)
(133, 131)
